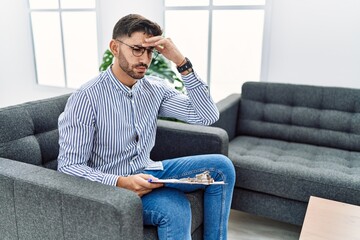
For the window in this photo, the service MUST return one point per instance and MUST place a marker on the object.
(223, 39)
(65, 41)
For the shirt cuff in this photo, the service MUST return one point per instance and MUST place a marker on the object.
(192, 80)
(110, 179)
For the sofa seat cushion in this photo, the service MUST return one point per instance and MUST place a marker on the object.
(294, 170)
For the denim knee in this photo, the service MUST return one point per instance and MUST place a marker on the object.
(170, 210)
(224, 166)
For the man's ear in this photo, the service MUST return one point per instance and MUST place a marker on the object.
(114, 47)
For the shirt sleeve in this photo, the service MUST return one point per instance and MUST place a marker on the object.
(195, 107)
(76, 133)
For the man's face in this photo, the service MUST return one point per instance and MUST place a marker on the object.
(134, 65)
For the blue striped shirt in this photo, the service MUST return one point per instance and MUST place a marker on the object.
(107, 129)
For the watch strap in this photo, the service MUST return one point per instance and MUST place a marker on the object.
(185, 66)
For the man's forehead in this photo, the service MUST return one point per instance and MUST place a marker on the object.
(138, 37)
(140, 34)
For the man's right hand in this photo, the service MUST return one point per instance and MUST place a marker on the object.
(138, 183)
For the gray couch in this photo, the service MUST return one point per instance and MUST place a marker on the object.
(37, 202)
(289, 142)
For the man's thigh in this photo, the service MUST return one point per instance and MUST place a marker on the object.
(165, 206)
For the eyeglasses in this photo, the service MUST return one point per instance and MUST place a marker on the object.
(138, 51)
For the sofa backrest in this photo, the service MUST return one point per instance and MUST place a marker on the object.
(28, 132)
(325, 116)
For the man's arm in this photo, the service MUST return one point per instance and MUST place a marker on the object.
(197, 107)
(76, 134)
(76, 131)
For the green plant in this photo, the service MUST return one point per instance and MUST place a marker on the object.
(106, 61)
(159, 67)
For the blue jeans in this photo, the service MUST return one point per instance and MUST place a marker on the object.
(169, 209)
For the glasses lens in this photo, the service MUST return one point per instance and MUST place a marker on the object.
(138, 51)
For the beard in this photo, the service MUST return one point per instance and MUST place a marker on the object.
(132, 70)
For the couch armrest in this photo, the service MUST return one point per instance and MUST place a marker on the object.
(229, 110)
(175, 139)
(39, 203)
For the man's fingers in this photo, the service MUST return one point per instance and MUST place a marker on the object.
(146, 183)
(146, 176)
(158, 42)
(139, 183)
(153, 39)
(156, 185)
(142, 191)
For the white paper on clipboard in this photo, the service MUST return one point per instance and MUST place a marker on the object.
(178, 181)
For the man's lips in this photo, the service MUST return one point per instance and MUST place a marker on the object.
(141, 68)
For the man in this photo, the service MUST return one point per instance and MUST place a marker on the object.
(108, 128)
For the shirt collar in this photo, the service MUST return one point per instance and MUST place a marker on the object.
(120, 86)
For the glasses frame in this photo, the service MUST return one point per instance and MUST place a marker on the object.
(154, 53)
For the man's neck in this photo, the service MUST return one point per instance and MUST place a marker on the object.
(122, 76)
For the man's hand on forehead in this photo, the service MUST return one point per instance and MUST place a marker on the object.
(154, 41)
(166, 47)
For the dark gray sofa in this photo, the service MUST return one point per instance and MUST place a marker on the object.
(289, 142)
(37, 202)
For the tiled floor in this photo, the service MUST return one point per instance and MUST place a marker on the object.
(243, 226)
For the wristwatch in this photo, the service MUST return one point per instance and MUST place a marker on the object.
(186, 66)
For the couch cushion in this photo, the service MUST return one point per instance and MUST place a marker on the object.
(30, 129)
(325, 116)
(296, 171)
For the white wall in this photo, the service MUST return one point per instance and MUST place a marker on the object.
(110, 11)
(17, 72)
(315, 42)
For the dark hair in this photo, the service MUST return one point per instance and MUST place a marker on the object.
(135, 23)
